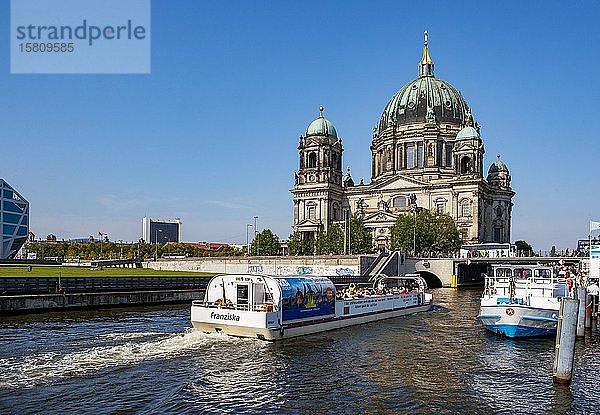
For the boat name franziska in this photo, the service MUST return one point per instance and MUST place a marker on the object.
(227, 316)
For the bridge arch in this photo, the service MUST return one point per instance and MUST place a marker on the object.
(432, 280)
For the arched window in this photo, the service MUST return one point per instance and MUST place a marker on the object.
(465, 165)
(465, 208)
(334, 161)
(399, 202)
(312, 159)
(312, 212)
(336, 212)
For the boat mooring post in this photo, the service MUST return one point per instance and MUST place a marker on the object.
(588, 312)
(581, 294)
(564, 351)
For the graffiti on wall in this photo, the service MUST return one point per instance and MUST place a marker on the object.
(317, 270)
(255, 269)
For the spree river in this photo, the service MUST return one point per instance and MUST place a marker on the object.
(150, 361)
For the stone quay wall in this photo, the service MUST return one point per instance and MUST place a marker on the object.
(307, 265)
(16, 304)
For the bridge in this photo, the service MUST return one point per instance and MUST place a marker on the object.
(440, 272)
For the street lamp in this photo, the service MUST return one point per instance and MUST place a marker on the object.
(102, 235)
(255, 233)
(249, 225)
(156, 240)
(415, 234)
(413, 206)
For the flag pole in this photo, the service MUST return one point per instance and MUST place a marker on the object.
(590, 241)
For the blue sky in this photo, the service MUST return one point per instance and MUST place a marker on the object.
(211, 134)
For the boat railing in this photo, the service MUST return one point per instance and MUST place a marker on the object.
(262, 307)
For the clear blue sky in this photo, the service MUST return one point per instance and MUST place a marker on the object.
(211, 134)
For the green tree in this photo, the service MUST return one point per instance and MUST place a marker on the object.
(330, 242)
(524, 247)
(265, 243)
(335, 240)
(426, 230)
(299, 246)
(361, 239)
(321, 243)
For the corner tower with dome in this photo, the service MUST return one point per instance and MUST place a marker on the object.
(426, 152)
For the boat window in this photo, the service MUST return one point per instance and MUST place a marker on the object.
(503, 273)
(268, 297)
(242, 294)
(542, 273)
(522, 273)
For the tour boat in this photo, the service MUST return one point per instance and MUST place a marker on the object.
(277, 307)
(522, 301)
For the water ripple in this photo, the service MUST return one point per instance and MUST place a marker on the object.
(149, 361)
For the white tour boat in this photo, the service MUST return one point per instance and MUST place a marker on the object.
(522, 301)
(277, 307)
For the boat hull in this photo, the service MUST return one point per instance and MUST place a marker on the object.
(517, 321)
(301, 328)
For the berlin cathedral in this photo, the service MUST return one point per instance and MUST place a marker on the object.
(426, 152)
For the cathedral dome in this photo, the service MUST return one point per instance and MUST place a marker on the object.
(423, 98)
(321, 126)
(468, 133)
(497, 167)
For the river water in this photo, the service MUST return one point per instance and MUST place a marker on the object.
(149, 361)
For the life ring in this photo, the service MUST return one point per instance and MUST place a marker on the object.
(510, 311)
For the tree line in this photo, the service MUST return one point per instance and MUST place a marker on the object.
(116, 250)
(423, 231)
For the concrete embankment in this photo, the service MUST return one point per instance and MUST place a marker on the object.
(16, 304)
(351, 265)
(44, 293)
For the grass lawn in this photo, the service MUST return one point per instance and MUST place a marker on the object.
(54, 271)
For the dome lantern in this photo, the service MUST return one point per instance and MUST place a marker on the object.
(426, 64)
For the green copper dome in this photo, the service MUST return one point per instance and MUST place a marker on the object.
(425, 99)
(321, 126)
(468, 133)
(498, 166)
(410, 104)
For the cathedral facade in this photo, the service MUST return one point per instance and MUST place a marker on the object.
(426, 152)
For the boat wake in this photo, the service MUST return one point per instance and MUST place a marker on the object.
(44, 368)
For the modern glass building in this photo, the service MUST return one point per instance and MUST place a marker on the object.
(155, 230)
(14, 221)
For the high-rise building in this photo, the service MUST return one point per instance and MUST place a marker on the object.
(14, 221)
(161, 230)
